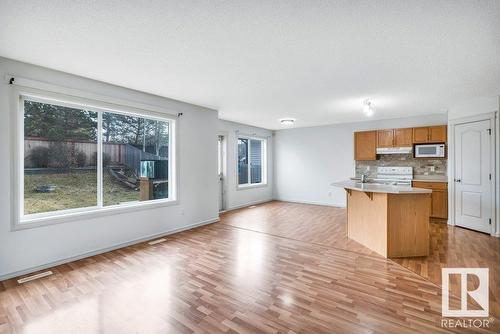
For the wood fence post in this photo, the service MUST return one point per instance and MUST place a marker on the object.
(146, 189)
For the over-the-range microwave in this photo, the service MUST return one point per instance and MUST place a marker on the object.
(430, 151)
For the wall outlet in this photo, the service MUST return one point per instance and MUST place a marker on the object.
(432, 168)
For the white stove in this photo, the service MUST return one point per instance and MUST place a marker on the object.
(394, 175)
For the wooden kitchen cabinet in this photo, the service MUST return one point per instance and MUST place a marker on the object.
(394, 137)
(385, 138)
(421, 135)
(439, 205)
(366, 142)
(438, 133)
(365, 145)
(403, 137)
(430, 134)
(439, 197)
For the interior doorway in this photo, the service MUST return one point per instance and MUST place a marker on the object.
(221, 170)
(473, 175)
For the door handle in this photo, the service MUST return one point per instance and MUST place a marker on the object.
(458, 180)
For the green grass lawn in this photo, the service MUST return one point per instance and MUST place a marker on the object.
(73, 190)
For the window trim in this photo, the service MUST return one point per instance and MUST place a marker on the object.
(21, 221)
(249, 185)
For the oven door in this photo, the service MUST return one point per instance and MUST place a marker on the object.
(429, 151)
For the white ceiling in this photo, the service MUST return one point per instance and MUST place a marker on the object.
(258, 61)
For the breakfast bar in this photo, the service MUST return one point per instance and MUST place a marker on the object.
(389, 219)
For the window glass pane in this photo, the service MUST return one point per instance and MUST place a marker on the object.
(60, 146)
(255, 161)
(242, 161)
(219, 156)
(135, 159)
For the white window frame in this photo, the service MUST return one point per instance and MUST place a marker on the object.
(22, 221)
(249, 185)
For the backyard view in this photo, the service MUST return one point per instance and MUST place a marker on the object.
(60, 158)
(72, 190)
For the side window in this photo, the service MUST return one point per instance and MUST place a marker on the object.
(251, 161)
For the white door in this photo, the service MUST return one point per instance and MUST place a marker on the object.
(473, 193)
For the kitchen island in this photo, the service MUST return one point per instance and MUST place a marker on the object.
(390, 220)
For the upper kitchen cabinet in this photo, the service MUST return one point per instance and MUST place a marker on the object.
(421, 135)
(385, 138)
(430, 134)
(403, 137)
(438, 133)
(394, 138)
(365, 145)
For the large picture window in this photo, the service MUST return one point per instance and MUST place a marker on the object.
(60, 171)
(77, 158)
(251, 161)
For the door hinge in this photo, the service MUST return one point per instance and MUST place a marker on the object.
(489, 132)
(490, 220)
(490, 176)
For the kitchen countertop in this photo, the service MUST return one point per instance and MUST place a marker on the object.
(380, 188)
(423, 178)
(430, 178)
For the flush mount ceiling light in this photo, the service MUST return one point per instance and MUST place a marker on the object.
(287, 121)
(368, 107)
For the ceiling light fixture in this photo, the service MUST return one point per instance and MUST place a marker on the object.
(287, 121)
(368, 107)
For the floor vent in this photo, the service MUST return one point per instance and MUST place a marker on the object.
(157, 241)
(34, 277)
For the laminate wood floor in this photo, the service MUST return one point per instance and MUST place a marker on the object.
(221, 278)
(450, 247)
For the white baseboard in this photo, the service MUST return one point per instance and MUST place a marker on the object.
(248, 204)
(311, 202)
(106, 249)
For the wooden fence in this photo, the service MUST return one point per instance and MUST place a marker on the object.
(122, 154)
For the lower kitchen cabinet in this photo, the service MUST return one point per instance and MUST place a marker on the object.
(439, 197)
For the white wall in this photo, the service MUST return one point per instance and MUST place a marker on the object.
(197, 169)
(308, 160)
(473, 107)
(242, 197)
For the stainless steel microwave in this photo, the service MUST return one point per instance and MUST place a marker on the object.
(430, 151)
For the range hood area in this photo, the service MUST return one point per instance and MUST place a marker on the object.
(394, 150)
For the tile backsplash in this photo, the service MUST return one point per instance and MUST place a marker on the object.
(420, 166)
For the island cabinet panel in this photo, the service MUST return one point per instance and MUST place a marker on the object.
(439, 197)
(363, 225)
(403, 137)
(365, 145)
(392, 225)
(408, 225)
(385, 138)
